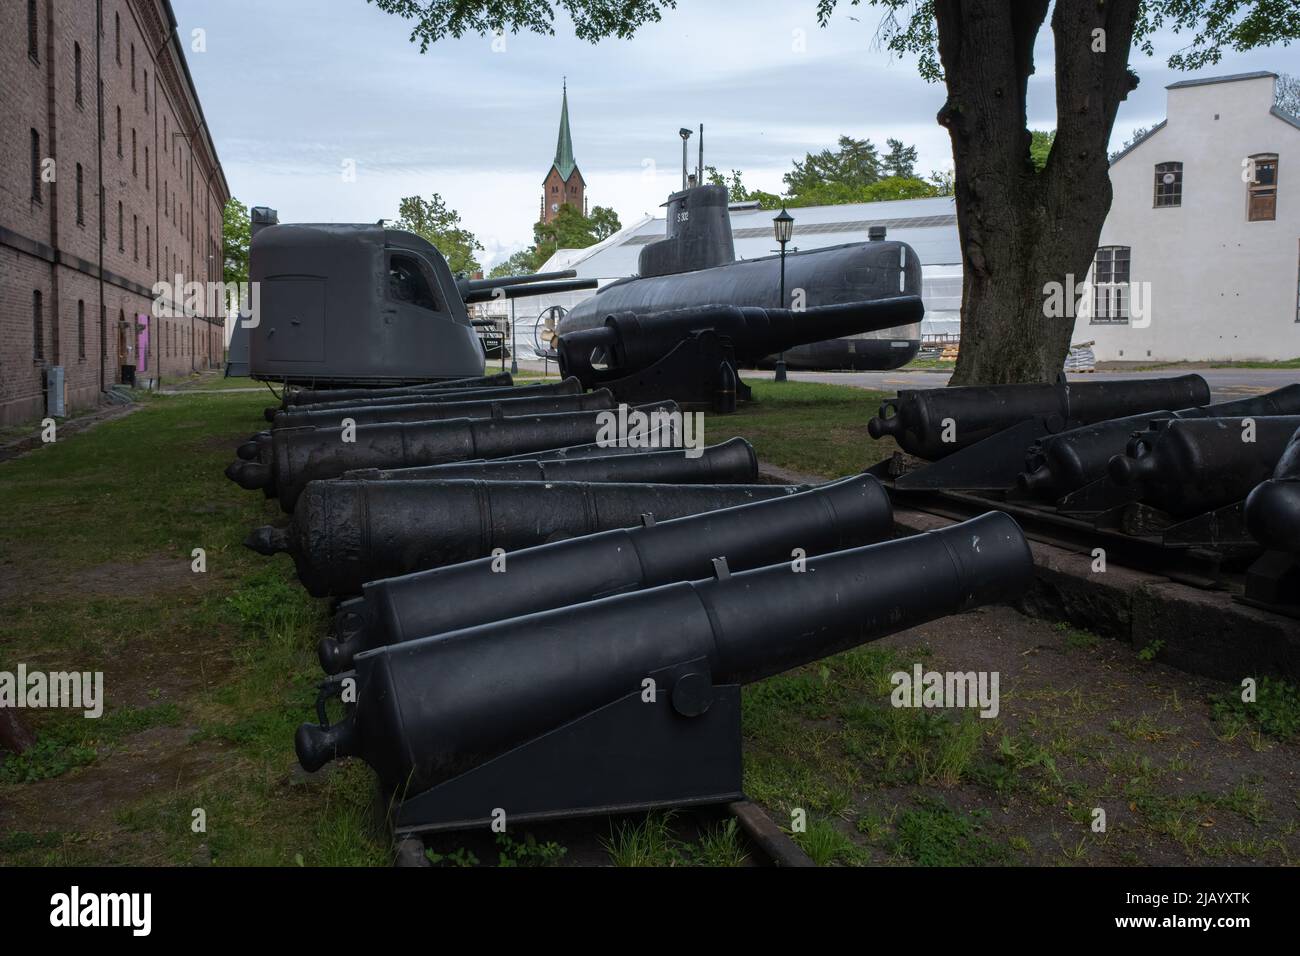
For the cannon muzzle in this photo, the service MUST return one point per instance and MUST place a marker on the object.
(1273, 507)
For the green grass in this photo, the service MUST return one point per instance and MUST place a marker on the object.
(103, 524)
(808, 427)
(1275, 710)
(1156, 366)
(652, 842)
(933, 834)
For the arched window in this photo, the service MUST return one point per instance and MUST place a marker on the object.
(81, 329)
(1261, 188)
(1110, 285)
(76, 72)
(38, 326)
(1169, 184)
(33, 44)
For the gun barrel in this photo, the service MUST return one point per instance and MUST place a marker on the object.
(520, 291)
(309, 396)
(437, 411)
(842, 514)
(430, 708)
(496, 282)
(345, 533)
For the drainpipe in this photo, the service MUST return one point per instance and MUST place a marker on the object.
(99, 171)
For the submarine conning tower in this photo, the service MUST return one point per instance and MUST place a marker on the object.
(698, 234)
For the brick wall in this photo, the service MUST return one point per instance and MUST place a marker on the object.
(162, 196)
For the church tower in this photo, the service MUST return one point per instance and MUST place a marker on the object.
(563, 183)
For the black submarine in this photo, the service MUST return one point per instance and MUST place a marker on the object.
(695, 265)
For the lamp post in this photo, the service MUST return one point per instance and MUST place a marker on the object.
(783, 227)
(514, 361)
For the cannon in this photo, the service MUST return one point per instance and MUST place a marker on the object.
(633, 701)
(731, 462)
(1060, 463)
(345, 533)
(932, 423)
(313, 396)
(841, 514)
(298, 455)
(692, 355)
(404, 396)
(1185, 466)
(436, 411)
(1273, 506)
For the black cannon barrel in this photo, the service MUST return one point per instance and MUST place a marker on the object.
(523, 290)
(842, 514)
(664, 437)
(1189, 465)
(932, 423)
(466, 286)
(1068, 460)
(345, 533)
(568, 386)
(300, 455)
(431, 708)
(633, 341)
(1273, 507)
(731, 462)
(309, 396)
(438, 411)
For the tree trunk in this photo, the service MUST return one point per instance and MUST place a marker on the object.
(1022, 229)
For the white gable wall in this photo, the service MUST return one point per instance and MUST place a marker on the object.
(1221, 288)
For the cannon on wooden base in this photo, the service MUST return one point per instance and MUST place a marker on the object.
(831, 517)
(633, 701)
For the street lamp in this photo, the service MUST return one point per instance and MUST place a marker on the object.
(783, 227)
(514, 362)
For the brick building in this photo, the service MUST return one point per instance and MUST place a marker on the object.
(563, 183)
(109, 183)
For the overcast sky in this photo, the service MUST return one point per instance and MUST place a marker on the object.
(294, 89)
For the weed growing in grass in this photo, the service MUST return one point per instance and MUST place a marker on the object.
(69, 741)
(1275, 710)
(651, 842)
(528, 852)
(933, 834)
(826, 845)
(460, 857)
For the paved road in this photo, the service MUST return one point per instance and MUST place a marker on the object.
(1225, 383)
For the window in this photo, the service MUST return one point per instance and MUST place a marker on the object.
(146, 91)
(117, 37)
(146, 167)
(33, 45)
(119, 132)
(132, 66)
(36, 166)
(406, 283)
(76, 72)
(1261, 190)
(81, 329)
(135, 169)
(81, 206)
(121, 244)
(135, 238)
(1169, 184)
(1110, 285)
(38, 326)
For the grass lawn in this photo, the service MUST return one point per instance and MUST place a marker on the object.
(208, 674)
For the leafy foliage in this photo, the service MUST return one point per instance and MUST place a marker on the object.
(570, 229)
(237, 234)
(434, 220)
(1040, 146)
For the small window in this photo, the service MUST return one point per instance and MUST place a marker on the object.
(117, 37)
(135, 169)
(133, 66)
(36, 166)
(119, 132)
(407, 283)
(81, 329)
(33, 39)
(148, 247)
(146, 91)
(1169, 184)
(1110, 285)
(76, 72)
(81, 186)
(38, 326)
(135, 238)
(146, 167)
(1261, 190)
(121, 244)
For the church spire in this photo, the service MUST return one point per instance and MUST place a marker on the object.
(564, 161)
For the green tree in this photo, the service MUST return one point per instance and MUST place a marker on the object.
(434, 220)
(236, 233)
(1136, 135)
(520, 263)
(891, 187)
(1286, 96)
(569, 229)
(738, 192)
(1040, 145)
(900, 161)
(1021, 227)
(855, 163)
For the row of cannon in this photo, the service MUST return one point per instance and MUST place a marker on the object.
(533, 618)
(1091, 447)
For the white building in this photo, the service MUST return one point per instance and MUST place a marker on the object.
(1199, 258)
(929, 226)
